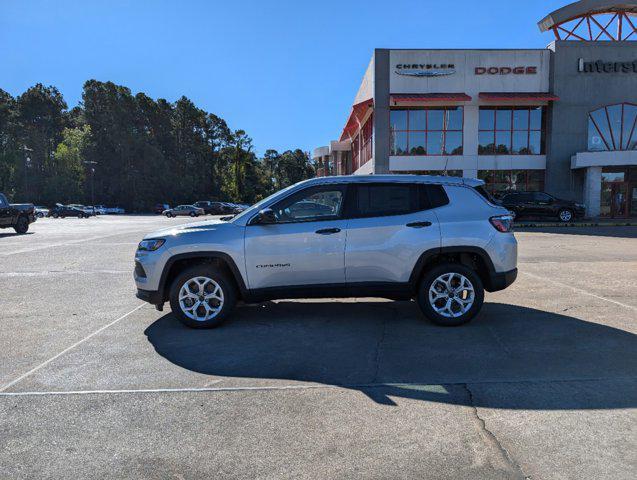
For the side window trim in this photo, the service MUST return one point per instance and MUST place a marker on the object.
(343, 187)
(352, 199)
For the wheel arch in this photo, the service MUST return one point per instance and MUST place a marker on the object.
(472, 257)
(180, 262)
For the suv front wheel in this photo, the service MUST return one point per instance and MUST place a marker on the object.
(202, 297)
(450, 294)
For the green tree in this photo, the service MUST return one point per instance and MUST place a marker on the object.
(66, 182)
(39, 122)
(9, 154)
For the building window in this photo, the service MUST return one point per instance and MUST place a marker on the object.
(431, 131)
(498, 182)
(362, 145)
(355, 152)
(613, 128)
(511, 131)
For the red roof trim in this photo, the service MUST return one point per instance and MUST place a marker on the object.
(356, 115)
(428, 97)
(511, 97)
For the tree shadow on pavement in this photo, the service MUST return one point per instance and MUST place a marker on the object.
(509, 357)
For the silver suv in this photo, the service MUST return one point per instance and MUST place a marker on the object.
(438, 240)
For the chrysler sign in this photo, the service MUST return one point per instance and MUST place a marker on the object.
(425, 69)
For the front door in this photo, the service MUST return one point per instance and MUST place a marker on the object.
(633, 201)
(615, 200)
(306, 245)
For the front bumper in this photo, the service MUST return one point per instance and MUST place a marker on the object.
(501, 280)
(151, 296)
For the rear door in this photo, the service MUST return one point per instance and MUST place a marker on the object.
(390, 225)
(306, 245)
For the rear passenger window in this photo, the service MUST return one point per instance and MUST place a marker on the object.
(436, 194)
(380, 200)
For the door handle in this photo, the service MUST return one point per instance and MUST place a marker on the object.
(419, 224)
(328, 231)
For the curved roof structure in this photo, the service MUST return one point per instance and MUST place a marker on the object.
(592, 20)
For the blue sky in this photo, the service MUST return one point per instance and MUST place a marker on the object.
(285, 71)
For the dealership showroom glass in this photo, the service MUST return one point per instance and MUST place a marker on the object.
(561, 119)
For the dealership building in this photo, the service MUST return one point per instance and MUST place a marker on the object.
(561, 119)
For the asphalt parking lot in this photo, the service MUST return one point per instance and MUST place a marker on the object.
(95, 384)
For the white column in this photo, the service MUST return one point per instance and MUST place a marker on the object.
(593, 191)
(470, 173)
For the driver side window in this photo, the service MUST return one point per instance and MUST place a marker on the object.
(311, 205)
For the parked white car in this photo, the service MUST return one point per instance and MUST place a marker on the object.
(99, 210)
(41, 212)
(114, 211)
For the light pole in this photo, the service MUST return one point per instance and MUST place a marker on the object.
(27, 165)
(92, 163)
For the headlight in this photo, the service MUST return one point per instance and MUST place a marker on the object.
(151, 245)
(580, 205)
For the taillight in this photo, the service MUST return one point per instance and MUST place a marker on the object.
(502, 223)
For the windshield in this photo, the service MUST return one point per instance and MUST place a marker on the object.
(257, 206)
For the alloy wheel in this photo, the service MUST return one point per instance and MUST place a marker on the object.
(451, 295)
(201, 299)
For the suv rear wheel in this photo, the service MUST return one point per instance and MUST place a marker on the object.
(565, 215)
(450, 294)
(202, 297)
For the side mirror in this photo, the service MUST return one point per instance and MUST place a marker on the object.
(266, 216)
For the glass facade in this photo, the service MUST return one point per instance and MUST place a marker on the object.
(613, 128)
(430, 131)
(440, 173)
(511, 131)
(498, 182)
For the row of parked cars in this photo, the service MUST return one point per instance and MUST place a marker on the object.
(76, 210)
(202, 207)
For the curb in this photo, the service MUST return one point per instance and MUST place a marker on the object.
(575, 225)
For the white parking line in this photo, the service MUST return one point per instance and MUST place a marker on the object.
(433, 387)
(43, 364)
(579, 290)
(70, 242)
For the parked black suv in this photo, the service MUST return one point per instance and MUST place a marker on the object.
(541, 204)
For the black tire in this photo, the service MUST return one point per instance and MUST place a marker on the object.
(225, 283)
(193, 214)
(565, 215)
(426, 283)
(39, 215)
(169, 215)
(62, 216)
(22, 225)
(55, 215)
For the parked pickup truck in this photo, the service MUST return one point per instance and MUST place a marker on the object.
(16, 216)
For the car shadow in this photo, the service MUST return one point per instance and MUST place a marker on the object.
(386, 349)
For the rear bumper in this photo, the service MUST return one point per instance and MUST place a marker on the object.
(501, 280)
(151, 296)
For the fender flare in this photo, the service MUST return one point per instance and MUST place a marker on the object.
(428, 254)
(227, 259)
